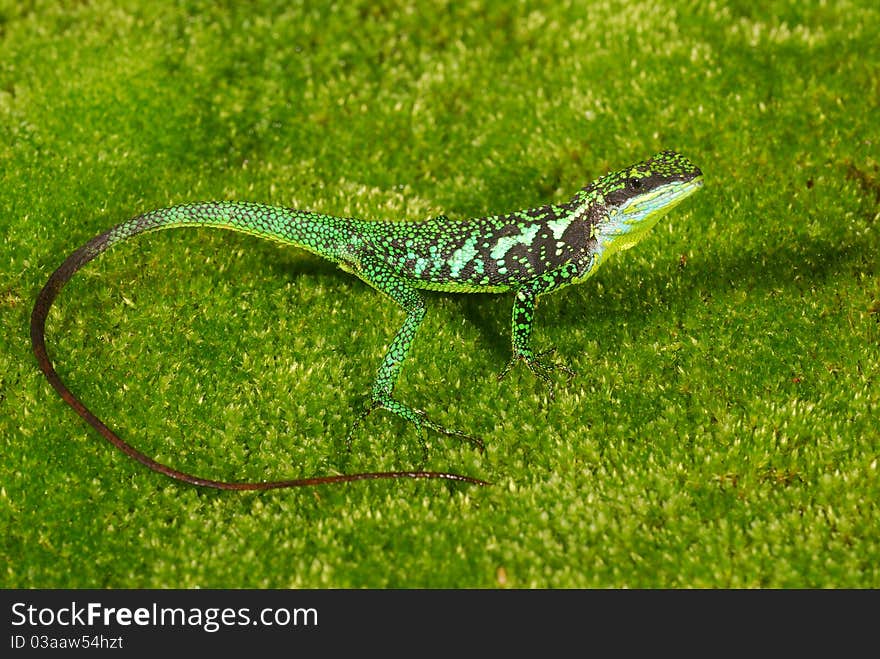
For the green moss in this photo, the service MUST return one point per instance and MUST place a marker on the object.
(721, 430)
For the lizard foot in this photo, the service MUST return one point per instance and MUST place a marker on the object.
(417, 418)
(540, 367)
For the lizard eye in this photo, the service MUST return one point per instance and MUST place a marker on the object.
(635, 183)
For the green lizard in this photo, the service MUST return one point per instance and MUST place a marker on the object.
(530, 253)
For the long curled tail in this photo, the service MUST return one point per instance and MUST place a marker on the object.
(222, 215)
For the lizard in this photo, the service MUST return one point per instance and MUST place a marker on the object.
(529, 252)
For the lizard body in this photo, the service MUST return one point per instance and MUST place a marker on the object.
(530, 252)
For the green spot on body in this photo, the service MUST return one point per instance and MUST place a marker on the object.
(558, 227)
(462, 256)
(421, 264)
(505, 243)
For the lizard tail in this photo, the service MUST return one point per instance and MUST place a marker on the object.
(44, 301)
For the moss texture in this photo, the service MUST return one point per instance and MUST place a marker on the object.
(722, 430)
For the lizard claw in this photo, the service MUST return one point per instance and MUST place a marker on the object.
(452, 432)
(358, 421)
(417, 418)
(541, 368)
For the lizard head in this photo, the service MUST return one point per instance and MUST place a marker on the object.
(627, 203)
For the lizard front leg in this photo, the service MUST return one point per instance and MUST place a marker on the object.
(523, 318)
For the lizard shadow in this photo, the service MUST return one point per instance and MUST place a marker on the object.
(791, 267)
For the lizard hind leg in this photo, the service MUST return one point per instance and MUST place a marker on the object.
(379, 275)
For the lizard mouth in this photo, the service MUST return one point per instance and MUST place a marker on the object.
(652, 205)
(625, 226)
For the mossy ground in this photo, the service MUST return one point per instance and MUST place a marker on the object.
(722, 430)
